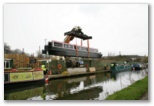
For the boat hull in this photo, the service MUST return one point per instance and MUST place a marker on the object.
(121, 68)
(20, 77)
(70, 53)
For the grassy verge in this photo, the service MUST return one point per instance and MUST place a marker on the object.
(133, 92)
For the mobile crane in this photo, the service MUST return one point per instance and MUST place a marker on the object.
(69, 51)
(76, 32)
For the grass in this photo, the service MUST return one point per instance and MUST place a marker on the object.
(133, 92)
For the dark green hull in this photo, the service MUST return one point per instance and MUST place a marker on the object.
(121, 68)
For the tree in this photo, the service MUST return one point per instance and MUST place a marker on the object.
(17, 51)
(7, 48)
(111, 54)
(39, 55)
(145, 59)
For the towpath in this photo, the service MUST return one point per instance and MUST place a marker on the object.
(145, 96)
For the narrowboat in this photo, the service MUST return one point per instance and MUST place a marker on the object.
(118, 68)
(69, 50)
(22, 77)
(65, 49)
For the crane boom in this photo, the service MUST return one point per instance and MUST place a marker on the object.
(75, 32)
(68, 39)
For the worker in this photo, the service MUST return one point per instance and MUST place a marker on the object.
(105, 67)
(112, 65)
(44, 69)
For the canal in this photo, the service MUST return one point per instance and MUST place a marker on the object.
(90, 87)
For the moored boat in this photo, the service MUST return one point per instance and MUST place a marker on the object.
(21, 77)
(138, 66)
(118, 68)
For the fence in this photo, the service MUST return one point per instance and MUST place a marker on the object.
(20, 60)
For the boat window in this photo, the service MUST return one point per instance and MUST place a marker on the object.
(79, 48)
(93, 50)
(83, 48)
(57, 44)
(6, 64)
(68, 46)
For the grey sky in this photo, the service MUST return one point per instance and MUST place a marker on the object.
(114, 27)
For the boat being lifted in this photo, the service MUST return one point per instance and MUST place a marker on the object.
(69, 50)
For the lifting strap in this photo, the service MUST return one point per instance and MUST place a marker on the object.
(88, 47)
(76, 48)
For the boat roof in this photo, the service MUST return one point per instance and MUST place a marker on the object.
(73, 44)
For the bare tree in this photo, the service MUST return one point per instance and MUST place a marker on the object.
(7, 48)
(38, 54)
(17, 51)
(111, 54)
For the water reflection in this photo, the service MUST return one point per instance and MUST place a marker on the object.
(24, 92)
(93, 87)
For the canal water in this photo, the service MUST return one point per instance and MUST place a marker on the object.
(90, 87)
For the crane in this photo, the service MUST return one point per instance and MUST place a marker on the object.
(67, 50)
(68, 39)
(75, 32)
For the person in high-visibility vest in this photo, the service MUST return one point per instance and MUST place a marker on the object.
(105, 67)
(44, 69)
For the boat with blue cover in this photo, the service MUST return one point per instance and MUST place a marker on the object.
(138, 66)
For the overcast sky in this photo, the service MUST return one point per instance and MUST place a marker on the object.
(114, 27)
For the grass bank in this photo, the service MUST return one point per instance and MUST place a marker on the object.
(133, 92)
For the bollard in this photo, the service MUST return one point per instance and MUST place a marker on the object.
(46, 79)
(49, 72)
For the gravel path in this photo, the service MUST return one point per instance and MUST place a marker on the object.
(145, 96)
